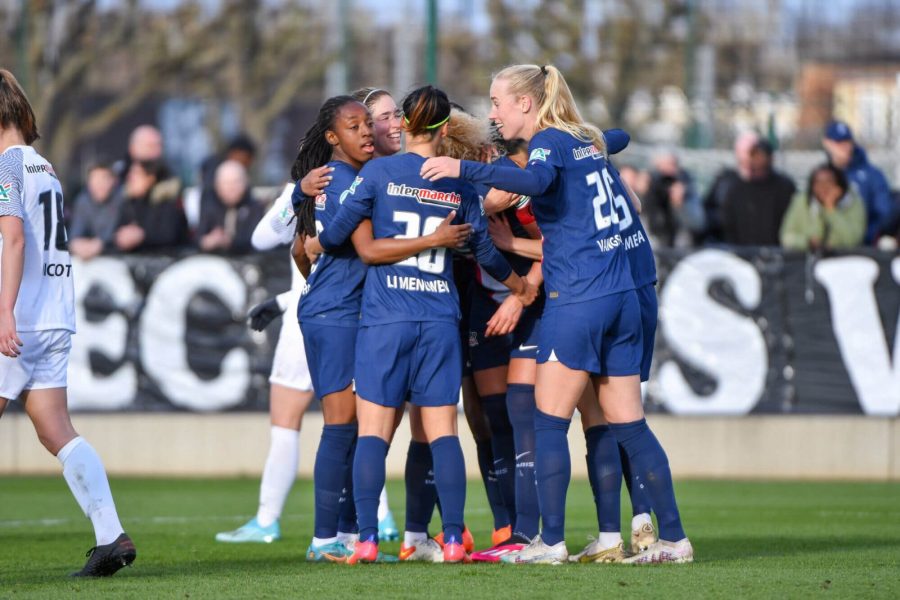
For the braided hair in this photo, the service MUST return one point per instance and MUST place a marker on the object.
(314, 152)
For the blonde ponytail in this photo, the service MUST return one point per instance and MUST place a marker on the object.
(556, 106)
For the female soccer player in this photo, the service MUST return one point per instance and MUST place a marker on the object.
(329, 309)
(408, 347)
(591, 328)
(290, 389)
(37, 319)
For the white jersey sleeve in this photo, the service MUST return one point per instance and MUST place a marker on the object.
(30, 190)
(276, 227)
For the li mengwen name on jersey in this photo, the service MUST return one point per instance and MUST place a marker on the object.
(425, 196)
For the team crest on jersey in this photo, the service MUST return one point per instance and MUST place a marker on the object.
(425, 196)
(4, 192)
(539, 154)
(320, 201)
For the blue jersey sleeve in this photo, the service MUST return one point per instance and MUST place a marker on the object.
(480, 242)
(538, 176)
(356, 204)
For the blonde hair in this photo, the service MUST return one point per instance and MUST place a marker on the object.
(556, 106)
(467, 137)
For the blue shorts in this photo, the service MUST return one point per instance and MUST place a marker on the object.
(600, 336)
(525, 337)
(486, 352)
(330, 353)
(415, 361)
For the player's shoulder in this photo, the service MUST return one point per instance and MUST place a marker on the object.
(13, 159)
(342, 176)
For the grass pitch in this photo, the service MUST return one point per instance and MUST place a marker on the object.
(750, 539)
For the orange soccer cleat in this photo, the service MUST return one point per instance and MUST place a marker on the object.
(468, 540)
(364, 552)
(501, 535)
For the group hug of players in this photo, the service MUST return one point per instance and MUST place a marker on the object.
(527, 280)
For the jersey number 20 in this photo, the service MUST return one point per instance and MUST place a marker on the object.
(429, 261)
(604, 194)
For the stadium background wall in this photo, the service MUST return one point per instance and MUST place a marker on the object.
(798, 346)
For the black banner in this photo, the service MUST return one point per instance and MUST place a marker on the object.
(756, 331)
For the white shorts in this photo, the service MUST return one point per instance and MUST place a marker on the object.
(289, 366)
(42, 364)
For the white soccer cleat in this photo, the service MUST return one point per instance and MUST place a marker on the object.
(539, 553)
(595, 553)
(427, 551)
(663, 552)
(642, 538)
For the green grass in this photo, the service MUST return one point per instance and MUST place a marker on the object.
(750, 539)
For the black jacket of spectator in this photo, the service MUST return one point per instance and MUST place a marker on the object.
(160, 215)
(238, 221)
(95, 219)
(752, 211)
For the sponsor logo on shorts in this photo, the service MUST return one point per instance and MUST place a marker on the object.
(473, 339)
(425, 196)
(524, 348)
(539, 154)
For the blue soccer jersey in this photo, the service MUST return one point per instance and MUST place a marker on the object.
(634, 236)
(402, 205)
(333, 293)
(577, 201)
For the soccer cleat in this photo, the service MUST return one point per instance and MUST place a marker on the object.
(387, 529)
(663, 552)
(513, 543)
(594, 553)
(427, 551)
(468, 540)
(539, 553)
(251, 532)
(501, 535)
(333, 552)
(105, 560)
(364, 552)
(642, 538)
(454, 552)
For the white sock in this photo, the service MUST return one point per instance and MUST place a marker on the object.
(414, 538)
(609, 539)
(279, 474)
(348, 539)
(319, 542)
(83, 471)
(383, 508)
(637, 521)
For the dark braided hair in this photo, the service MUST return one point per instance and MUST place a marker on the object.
(314, 152)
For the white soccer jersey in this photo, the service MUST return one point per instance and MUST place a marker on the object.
(276, 228)
(30, 190)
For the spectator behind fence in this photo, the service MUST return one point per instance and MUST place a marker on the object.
(724, 181)
(752, 210)
(228, 217)
(145, 144)
(95, 214)
(847, 155)
(830, 215)
(151, 216)
(637, 179)
(672, 210)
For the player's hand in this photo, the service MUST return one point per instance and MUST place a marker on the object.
(497, 200)
(506, 318)
(264, 313)
(129, 237)
(528, 292)
(448, 235)
(9, 339)
(440, 167)
(313, 248)
(315, 182)
(501, 232)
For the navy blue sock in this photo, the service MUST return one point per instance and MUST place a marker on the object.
(450, 480)
(605, 472)
(504, 451)
(421, 495)
(329, 476)
(368, 481)
(347, 519)
(651, 472)
(491, 487)
(640, 503)
(553, 468)
(520, 408)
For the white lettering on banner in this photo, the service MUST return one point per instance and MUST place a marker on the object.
(110, 336)
(162, 329)
(723, 344)
(859, 331)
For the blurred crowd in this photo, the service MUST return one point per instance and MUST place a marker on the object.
(136, 204)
